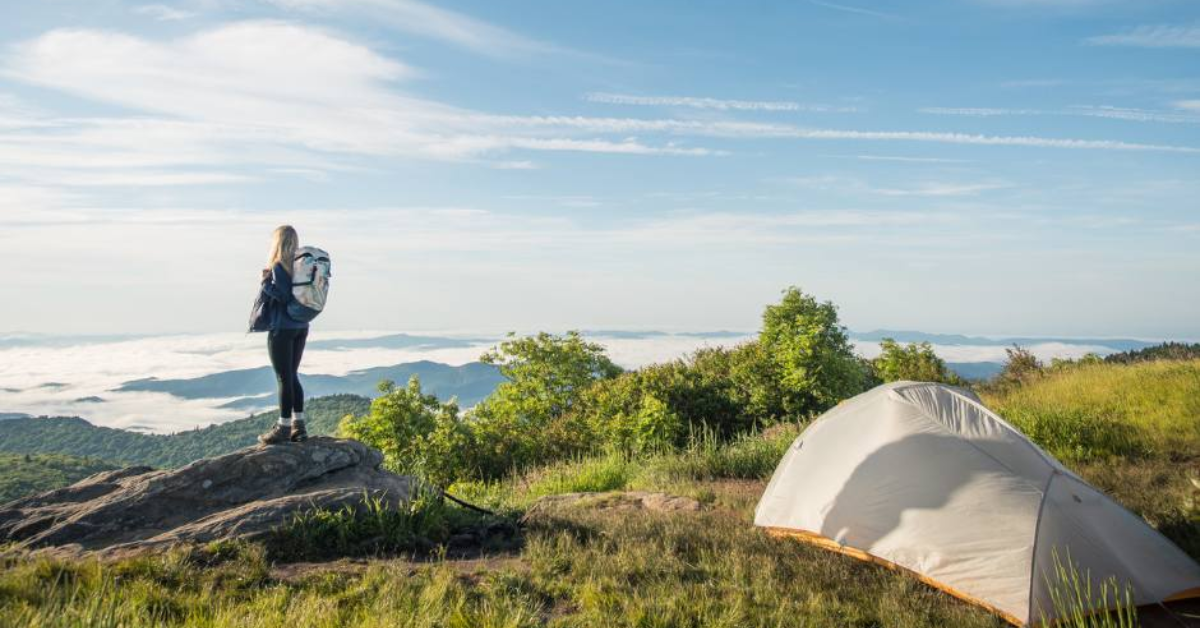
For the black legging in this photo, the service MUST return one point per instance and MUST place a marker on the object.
(286, 346)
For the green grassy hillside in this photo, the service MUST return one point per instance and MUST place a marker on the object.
(76, 437)
(25, 474)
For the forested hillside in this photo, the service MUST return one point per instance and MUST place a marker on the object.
(76, 437)
(25, 474)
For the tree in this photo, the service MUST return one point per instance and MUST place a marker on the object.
(417, 434)
(811, 354)
(529, 418)
(1021, 366)
(914, 362)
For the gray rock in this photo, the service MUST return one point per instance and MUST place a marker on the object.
(243, 494)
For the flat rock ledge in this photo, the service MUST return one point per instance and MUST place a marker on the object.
(616, 500)
(243, 495)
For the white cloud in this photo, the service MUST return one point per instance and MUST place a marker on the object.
(1157, 36)
(981, 112)
(710, 103)
(1090, 111)
(164, 13)
(1188, 105)
(425, 20)
(269, 93)
(927, 189)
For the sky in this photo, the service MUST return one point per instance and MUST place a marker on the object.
(969, 166)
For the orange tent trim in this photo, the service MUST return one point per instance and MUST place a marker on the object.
(825, 542)
(1184, 595)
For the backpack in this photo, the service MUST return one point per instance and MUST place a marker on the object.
(263, 310)
(310, 283)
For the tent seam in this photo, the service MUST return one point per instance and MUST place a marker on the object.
(1045, 457)
(1037, 527)
(925, 415)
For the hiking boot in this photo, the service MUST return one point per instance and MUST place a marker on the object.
(299, 434)
(277, 434)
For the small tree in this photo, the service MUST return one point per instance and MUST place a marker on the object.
(811, 354)
(530, 418)
(1021, 366)
(914, 362)
(417, 433)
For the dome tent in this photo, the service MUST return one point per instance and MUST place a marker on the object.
(924, 478)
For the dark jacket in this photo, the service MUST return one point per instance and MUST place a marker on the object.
(279, 288)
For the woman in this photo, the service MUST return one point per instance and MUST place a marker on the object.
(285, 340)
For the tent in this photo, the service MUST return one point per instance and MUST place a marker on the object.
(923, 478)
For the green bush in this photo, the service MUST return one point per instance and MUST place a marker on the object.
(814, 362)
(913, 362)
(417, 434)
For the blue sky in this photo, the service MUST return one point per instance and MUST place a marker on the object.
(989, 167)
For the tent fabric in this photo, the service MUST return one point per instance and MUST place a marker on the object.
(924, 478)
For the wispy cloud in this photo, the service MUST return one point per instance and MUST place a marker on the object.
(285, 97)
(712, 103)
(857, 10)
(1156, 36)
(1188, 105)
(857, 186)
(271, 93)
(750, 130)
(1089, 111)
(434, 22)
(981, 112)
(164, 13)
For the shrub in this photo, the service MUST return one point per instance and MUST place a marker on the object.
(657, 406)
(1021, 367)
(914, 362)
(530, 418)
(813, 360)
(417, 434)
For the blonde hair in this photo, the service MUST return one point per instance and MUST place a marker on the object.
(283, 248)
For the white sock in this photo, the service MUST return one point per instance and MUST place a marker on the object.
(285, 420)
(299, 416)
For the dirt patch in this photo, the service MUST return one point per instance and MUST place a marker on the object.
(469, 568)
(616, 500)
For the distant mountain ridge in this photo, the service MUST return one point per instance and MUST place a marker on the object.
(470, 383)
(1116, 344)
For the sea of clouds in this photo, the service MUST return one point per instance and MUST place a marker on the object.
(55, 376)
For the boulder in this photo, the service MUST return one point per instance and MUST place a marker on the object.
(243, 494)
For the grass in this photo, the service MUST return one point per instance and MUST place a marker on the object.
(576, 569)
(1076, 604)
(423, 525)
(1149, 409)
(705, 458)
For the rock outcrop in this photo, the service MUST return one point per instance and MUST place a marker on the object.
(243, 494)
